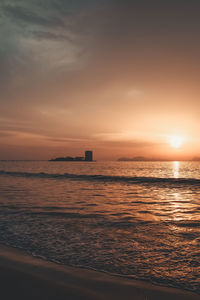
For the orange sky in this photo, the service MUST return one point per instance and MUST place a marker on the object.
(117, 77)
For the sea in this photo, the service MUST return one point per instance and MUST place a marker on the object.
(139, 220)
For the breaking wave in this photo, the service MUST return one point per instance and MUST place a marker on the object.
(107, 178)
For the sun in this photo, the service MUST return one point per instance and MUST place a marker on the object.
(176, 141)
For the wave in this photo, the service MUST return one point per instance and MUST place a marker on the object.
(187, 224)
(107, 178)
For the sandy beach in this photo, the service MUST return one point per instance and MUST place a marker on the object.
(25, 277)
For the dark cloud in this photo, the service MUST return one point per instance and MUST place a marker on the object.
(52, 36)
(23, 15)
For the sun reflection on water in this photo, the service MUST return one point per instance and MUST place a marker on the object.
(176, 166)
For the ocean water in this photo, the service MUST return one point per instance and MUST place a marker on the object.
(136, 219)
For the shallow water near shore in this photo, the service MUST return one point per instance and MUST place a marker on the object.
(140, 219)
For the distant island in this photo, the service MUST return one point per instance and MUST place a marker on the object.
(197, 158)
(88, 157)
(137, 158)
(142, 158)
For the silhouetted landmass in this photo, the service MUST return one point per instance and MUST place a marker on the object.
(137, 158)
(197, 158)
(88, 157)
(142, 158)
(67, 158)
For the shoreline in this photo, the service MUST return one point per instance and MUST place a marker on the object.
(23, 276)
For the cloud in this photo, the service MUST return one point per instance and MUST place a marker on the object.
(26, 16)
(5, 134)
(35, 46)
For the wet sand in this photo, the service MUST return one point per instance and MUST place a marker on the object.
(25, 277)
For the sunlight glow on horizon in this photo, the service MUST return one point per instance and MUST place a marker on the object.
(176, 141)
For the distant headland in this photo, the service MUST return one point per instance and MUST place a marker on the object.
(88, 157)
(154, 159)
(137, 158)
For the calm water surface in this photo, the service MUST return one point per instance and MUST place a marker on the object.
(140, 219)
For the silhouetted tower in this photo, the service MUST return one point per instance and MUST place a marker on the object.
(88, 156)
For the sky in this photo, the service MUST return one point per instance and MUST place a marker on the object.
(119, 77)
